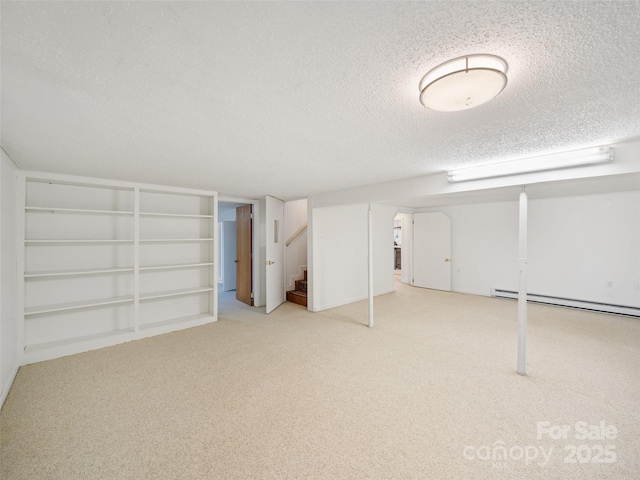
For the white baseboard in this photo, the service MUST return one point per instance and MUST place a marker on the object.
(570, 303)
(339, 304)
(7, 386)
(65, 348)
(350, 300)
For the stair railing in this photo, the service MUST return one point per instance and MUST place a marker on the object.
(297, 234)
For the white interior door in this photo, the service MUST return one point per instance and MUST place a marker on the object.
(228, 248)
(432, 251)
(274, 253)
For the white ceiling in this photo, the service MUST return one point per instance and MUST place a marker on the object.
(296, 98)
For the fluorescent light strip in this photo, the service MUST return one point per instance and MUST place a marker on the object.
(577, 158)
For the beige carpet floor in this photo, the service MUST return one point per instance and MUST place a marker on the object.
(430, 393)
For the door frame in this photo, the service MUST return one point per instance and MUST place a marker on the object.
(257, 297)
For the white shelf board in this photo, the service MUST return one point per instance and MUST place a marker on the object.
(60, 307)
(176, 240)
(205, 317)
(70, 341)
(48, 241)
(77, 210)
(74, 181)
(178, 265)
(64, 273)
(174, 293)
(178, 215)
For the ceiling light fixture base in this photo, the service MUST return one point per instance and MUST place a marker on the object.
(464, 82)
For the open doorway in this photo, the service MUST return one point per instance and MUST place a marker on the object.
(234, 287)
(402, 247)
(397, 248)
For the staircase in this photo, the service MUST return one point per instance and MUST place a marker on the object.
(299, 293)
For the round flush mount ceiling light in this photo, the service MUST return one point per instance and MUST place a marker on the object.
(463, 83)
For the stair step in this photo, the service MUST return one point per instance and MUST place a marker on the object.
(295, 296)
(301, 285)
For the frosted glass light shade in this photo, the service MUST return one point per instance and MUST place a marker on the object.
(463, 83)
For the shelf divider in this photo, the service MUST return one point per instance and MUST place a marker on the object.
(136, 259)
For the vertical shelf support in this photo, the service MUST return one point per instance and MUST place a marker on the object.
(21, 265)
(213, 269)
(136, 259)
(370, 263)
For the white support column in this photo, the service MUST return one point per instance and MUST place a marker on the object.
(370, 263)
(522, 290)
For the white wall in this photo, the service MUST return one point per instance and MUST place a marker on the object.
(576, 245)
(484, 246)
(579, 244)
(340, 251)
(9, 354)
(339, 248)
(295, 216)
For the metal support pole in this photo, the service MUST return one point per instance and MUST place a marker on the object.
(522, 290)
(370, 263)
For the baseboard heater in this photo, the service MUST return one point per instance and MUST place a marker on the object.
(570, 303)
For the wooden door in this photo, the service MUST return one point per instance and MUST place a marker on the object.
(244, 248)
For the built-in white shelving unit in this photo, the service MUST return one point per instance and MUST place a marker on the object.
(107, 262)
(176, 256)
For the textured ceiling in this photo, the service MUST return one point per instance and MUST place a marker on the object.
(297, 98)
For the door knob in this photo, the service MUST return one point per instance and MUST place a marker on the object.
(269, 262)
(447, 259)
